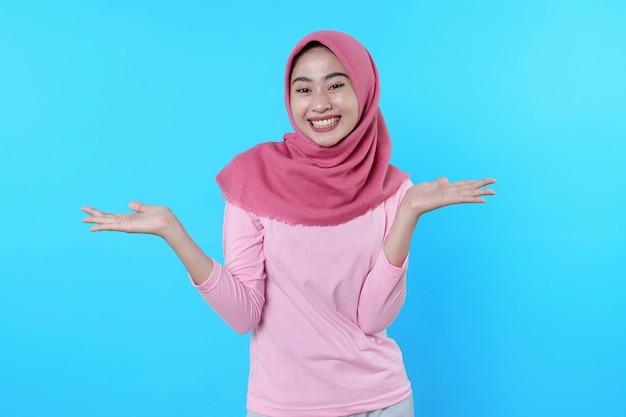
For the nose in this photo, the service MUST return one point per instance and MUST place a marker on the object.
(321, 101)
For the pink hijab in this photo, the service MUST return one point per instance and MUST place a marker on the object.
(297, 181)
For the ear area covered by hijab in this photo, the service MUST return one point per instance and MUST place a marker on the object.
(297, 181)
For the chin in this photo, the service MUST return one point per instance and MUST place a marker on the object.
(327, 143)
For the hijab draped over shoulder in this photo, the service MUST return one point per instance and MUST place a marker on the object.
(297, 181)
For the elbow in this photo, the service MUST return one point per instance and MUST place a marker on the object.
(372, 329)
(244, 328)
(250, 320)
(372, 324)
(373, 321)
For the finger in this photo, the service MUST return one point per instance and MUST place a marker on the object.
(99, 228)
(473, 184)
(116, 226)
(441, 180)
(476, 183)
(138, 206)
(471, 199)
(107, 218)
(463, 184)
(479, 188)
(94, 219)
(92, 211)
(88, 219)
(95, 216)
(477, 192)
(487, 181)
(104, 227)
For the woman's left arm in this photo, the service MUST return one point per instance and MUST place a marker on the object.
(425, 197)
(384, 291)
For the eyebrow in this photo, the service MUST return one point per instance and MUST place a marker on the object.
(327, 77)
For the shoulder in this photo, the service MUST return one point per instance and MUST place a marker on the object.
(404, 187)
(392, 203)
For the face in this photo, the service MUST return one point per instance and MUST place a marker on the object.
(323, 102)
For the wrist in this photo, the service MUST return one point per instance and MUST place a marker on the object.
(173, 229)
(408, 215)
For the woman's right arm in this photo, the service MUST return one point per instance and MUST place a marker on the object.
(159, 221)
(236, 293)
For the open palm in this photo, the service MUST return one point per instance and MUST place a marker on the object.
(146, 219)
(428, 196)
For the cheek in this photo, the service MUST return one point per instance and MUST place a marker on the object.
(352, 106)
(296, 108)
(298, 114)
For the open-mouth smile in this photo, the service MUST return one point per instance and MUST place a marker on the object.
(325, 123)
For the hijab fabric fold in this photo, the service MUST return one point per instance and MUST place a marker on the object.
(297, 181)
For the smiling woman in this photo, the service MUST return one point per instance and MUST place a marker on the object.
(317, 232)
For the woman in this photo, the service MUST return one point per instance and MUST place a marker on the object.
(317, 231)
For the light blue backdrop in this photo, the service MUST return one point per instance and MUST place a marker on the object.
(515, 308)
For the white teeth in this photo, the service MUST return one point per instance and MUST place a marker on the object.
(323, 124)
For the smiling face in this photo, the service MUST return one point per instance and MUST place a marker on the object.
(322, 99)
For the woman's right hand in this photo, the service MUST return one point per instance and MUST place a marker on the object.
(154, 220)
(159, 221)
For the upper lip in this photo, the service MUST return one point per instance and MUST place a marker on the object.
(316, 119)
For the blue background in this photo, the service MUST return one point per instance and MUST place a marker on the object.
(515, 308)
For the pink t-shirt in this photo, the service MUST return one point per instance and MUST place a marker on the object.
(318, 300)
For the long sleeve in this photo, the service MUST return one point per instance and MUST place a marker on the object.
(382, 295)
(384, 290)
(236, 291)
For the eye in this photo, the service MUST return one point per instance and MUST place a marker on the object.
(303, 90)
(336, 86)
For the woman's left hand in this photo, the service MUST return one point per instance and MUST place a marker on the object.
(429, 196)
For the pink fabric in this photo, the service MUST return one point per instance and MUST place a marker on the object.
(299, 182)
(318, 300)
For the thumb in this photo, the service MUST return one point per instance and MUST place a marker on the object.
(138, 207)
(441, 180)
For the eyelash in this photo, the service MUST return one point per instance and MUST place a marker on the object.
(305, 90)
